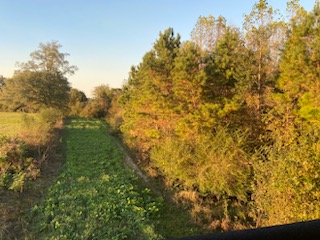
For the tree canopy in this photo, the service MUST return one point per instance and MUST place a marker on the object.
(48, 59)
(32, 91)
(39, 83)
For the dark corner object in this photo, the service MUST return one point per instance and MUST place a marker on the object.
(299, 231)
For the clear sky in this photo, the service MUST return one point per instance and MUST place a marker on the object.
(105, 37)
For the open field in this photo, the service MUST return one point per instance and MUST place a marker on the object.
(10, 123)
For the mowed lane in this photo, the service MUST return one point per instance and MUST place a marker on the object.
(95, 196)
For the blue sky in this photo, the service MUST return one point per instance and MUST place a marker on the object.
(105, 37)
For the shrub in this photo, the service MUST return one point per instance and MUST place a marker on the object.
(38, 134)
(35, 132)
(94, 109)
(50, 116)
(114, 116)
(77, 108)
(215, 166)
(288, 181)
(16, 165)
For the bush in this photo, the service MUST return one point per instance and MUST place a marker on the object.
(76, 108)
(94, 109)
(35, 132)
(215, 166)
(16, 165)
(50, 116)
(114, 116)
(288, 181)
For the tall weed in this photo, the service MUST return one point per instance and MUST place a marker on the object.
(16, 164)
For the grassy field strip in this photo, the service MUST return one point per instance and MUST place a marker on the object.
(95, 197)
(10, 123)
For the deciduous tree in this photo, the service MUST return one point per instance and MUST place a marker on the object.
(208, 31)
(48, 59)
(40, 82)
(264, 34)
(32, 91)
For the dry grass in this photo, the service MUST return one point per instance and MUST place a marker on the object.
(11, 122)
(209, 212)
(30, 129)
(187, 197)
(201, 212)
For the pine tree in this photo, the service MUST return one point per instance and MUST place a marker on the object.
(148, 94)
(189, 78)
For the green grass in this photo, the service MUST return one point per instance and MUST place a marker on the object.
(10, 123)
(95, 196)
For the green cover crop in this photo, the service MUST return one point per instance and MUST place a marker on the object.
(95, 196)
